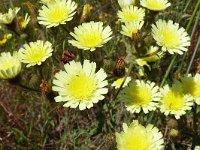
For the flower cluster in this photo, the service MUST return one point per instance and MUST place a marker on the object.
(132, 17)
(82, 81)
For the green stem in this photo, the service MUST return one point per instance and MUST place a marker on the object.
(28, 88)
(168, 70)
(80, 52)
(193, 15)
(194, 126)
(193, 55)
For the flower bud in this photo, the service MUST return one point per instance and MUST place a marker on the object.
(123, 3)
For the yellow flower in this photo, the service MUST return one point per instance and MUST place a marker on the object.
(155, 5)
(89, 36)
(131, 13)
(7, 18)
(172, 38)
(10, 66)
(24, 22)
(119, 81)
(79, 85)
(138, 137)
(124, 3)
(5, 38)
(131, 28)
(197, 148)
(56, 13)
(140, 95)
(174, 102)
(35, 53)
(191, 86)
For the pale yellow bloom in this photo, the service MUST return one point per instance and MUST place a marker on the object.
(172, 38)
(140, 95)
(80, 85)
(91, 35)
(138, 137)
(131, 28)
(7, 18)
(155, 5)
(35, 53)
(191, 86)
(174, 102)
(131, 13)
(10, 66)
(56, 13)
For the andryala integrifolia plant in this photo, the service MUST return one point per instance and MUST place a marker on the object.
(68, 57)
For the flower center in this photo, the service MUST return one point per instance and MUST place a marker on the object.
(81, 87)
(91, 38)
(140, 96)
(57, 14)
(36, 55)
(130, 16)
(138, 139)
(169, 38)
(173, 101)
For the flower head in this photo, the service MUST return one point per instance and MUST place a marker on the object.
(131, 13)
(117, 83)
(172, 38)
(7, 18)
(79, 85)
(10, 66)
(35, 53)
(24, 22)
(89, 36)
(174, 102)
(131, 28)
(191, 86)
(197, 147)
(124, 3)
(140, 95)
(155, 5)
(55, 13)
(138, 137)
